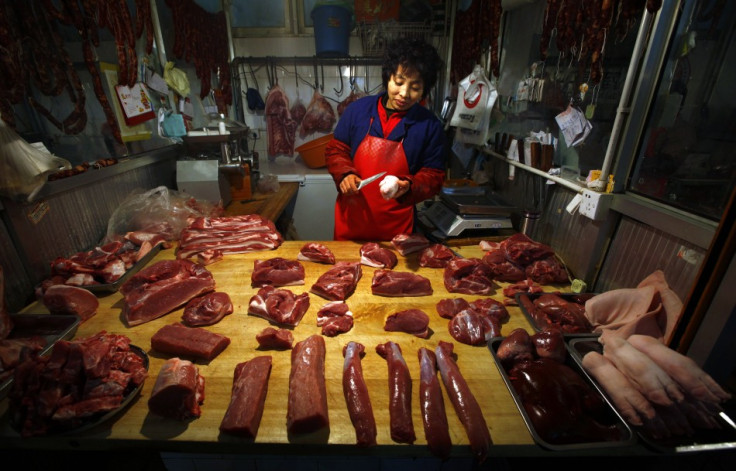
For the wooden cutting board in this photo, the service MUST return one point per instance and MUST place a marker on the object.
(233, 276)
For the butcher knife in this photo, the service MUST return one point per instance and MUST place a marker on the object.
(370, 180)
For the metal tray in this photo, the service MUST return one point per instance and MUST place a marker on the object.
(487, 204)
(573, 297)
(53, 327)
(113, 287)
(721, 439)
(612, 416)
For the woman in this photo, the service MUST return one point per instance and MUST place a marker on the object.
(394, 133)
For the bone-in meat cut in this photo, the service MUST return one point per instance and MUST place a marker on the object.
(373, 255)
(320, 116)
(409, 243)
(277, 271)
(279, 306)
(399, 284)
(178, 392)
(356, 395)
(101, 265)
(339, 282)
(466, 405)
(399, 390)
(247, 397)
(432, 406)
(307, 404)
(280, 126)
(70, 300)
(410, 321)
(436, 256)
(468, 276)
(271, 338)
(162, 287)
(208, 309)
(335, 318)
(316, 252)
(190, 342)
(228, 235)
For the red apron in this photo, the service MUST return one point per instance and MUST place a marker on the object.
(366, 215)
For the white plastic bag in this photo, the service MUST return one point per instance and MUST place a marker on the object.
(23, 168)
(472, 115)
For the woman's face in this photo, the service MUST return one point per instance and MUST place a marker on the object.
(405, 88)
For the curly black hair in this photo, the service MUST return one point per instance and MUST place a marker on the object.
(414, 54)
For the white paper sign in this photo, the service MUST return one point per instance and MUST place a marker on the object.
(573, 125)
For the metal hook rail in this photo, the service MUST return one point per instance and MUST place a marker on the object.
(305, 60)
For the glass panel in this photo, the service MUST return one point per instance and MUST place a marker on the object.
(258, 14)
(686, 159)
(307, 6)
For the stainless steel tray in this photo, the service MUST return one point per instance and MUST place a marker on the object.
(702, 440)
(611, 416)
(526, 300)
(53, 327)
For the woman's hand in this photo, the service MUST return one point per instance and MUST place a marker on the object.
(349, 184)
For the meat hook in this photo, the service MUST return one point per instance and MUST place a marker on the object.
(322, 85)
(250, 66)
(316, 75)
(339, 72)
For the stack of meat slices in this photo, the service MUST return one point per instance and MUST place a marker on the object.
(228, 235)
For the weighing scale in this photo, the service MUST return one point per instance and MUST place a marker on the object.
(468, 208)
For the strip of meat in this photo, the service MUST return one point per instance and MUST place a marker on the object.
(178, 339)
(399, 388)
(248, 395)
(356, 395)
(466, 406)
(307, 406)
(434, 417)
(179, 390)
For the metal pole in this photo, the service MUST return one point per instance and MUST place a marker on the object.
(160, 46)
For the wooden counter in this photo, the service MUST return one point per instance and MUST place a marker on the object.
(136, 427)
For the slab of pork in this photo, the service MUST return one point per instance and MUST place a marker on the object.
(307, 404)
(70, 300)
(191, 342)
(248, 395)
(178, 391)
(399, 284)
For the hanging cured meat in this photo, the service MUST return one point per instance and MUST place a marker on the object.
(320, 116)
(280, 126)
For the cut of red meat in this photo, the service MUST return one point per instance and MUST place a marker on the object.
(271, 338)
(247, 397)
(162, 287)
(70, 300)
(522, 250)
(334, 318)
(447, 308)
(434, 417)
(468, 276)
(374, 255)
(356, 395)
(436, 256)
(550, 343)
(180, 340)
(320, 116)
(410, 321)
(515, 347)
(473, 328)
(409, 243)
(400, 284)
(277, 271)
(228, 235)
(526, 286)
(207, 309)
(551, 310)
(280, 125)
(339, 282)
(547, 271)
(178, 391)
(316, 252)
(279, 306)
(209, 256)
(492, 308)
(466, 405)
(307, 403)
(503, 269)
(399, 387)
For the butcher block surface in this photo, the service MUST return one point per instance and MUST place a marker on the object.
(233, 276)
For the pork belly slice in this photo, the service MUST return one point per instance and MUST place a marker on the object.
(434, 416)
(339, 282)
(409, 243)
(335, 318)
(275, 339)
(207, 309)
(162, 287)
(410, 321)
(248, 395)
(307, 404)
(70, 300)
(356, 395)
(468, 276)
(191, 342)
(316, 252)
(279, 306)
(178, 391)
(399, 389)
(277, 271)
(400, 284)
(373, 255)
(466, 405)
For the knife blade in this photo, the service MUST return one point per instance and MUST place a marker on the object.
(370, 180)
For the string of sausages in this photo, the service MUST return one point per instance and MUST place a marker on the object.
(33, 55)
(477, 29)
(200, 38)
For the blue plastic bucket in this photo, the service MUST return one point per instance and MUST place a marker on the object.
(332, 26)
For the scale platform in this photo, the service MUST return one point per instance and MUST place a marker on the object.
(451, 223)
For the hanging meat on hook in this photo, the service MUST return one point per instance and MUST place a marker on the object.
(320, 116)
